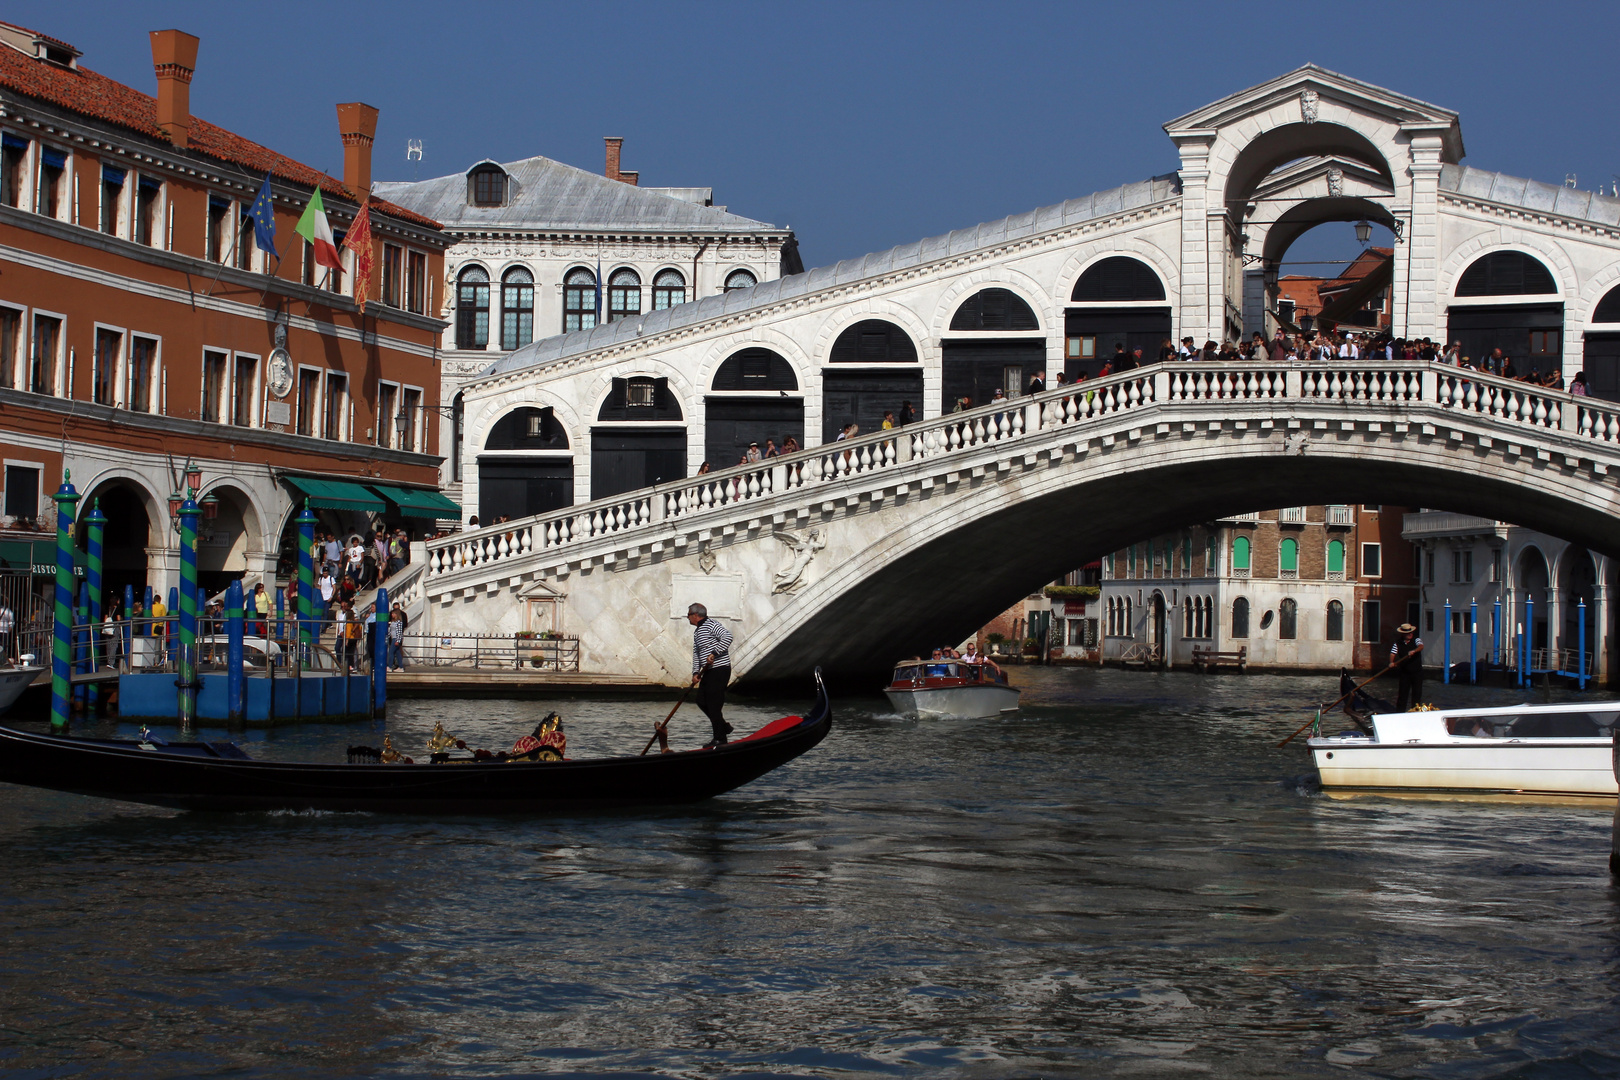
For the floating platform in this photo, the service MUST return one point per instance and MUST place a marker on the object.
(318, 696)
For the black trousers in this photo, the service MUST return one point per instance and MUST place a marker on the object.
(711, 698)
(1411, 691)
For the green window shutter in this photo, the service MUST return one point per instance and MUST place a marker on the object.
(1335, 558)
(1290, 554)
(1240, 553)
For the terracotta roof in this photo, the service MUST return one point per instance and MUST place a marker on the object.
(90, 94)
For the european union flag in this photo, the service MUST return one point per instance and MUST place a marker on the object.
(264, 220)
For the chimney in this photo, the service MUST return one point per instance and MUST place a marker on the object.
(357, 123)
(174, 58)
(613, 172)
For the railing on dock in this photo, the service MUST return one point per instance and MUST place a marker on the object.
(492, 652)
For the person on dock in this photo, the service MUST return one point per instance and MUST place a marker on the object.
(711, 669)
(1406, 656)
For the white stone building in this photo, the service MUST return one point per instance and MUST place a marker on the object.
(542, 248)
(1536, 579)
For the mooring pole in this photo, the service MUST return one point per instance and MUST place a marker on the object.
(379, 658)
(1473, 642)
(129, 628)
(95, 535)
(171, 640)
(1529, 637)
(1496, 633)
(187, 645)
(234, 683)
(1580, 650)
(306, 585)
(61, 677)
(1446, 678)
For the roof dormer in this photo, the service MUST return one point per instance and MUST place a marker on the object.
(488, 184)
(40, 46)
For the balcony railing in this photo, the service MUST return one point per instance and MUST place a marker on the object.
(1341, 515)
(1291, 515)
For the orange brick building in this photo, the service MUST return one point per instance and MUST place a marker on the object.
(142, 327)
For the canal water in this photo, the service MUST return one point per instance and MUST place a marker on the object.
(1127, 879)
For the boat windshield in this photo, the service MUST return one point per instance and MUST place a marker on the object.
(1534, 724)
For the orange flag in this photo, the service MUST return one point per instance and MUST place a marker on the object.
(359, 242)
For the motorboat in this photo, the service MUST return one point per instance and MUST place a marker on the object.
(14, 680)
(223, 776)
(1541, 750)
(956, 689)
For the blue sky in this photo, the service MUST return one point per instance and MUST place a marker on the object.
(861, 125)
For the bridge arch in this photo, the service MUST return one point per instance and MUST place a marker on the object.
(877, 601)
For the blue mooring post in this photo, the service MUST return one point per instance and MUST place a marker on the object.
(379, 657)
(61, 679)
(1473, 642)
(129, 627)
(1529, 638)
(281, 613)
(306, 588)
(233, 654)
(187, 643)
(170, 638)
(1496, 631)
(1446, 678)
(1580, 652)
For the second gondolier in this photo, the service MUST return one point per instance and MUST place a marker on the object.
(711, 669)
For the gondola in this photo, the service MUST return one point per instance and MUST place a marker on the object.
(220, 776)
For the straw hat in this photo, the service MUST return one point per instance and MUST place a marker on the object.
(1406, 628)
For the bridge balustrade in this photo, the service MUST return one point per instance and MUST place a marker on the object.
(1393, 383)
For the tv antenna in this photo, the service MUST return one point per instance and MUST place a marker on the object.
(413, 152)
(1569, 180)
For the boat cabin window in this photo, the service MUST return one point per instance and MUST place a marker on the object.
(1558, 725)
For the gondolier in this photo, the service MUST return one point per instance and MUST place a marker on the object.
(711, 669)
(1406, 656)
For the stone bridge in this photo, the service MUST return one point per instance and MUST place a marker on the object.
(854, 554)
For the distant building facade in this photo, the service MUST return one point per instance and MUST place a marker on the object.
(1308, 587)
(1539, 581)
(141, 327)
(542, 248)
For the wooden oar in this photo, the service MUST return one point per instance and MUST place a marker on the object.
(659, 730)
(1328, 707)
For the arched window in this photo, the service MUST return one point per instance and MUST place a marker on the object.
(669, 289)
(994, 309)
(1335, 557)
(527, 428)
(1506, 273)
(1209, 555)
(1118, 279)
(641, 398)
(1287, 619)
(1335, 621)
(1608, 308)
(624, 294)
(579, 300)
(458, 428)
(741, 279)
(1186, 555)
(873, 341)
(1129, 629)
(486, 185)
(1187, 616)
(517, 308)
(472, 309)
(1240, 617)
(1130, 561)
(757, 369)
(1288, 556)
(1208, 629)
(1240, 553)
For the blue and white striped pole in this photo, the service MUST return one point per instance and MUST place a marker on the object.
(129, 627)
(379, 656)
(1580, 651)
(306, 587)
(171, 640)
(61, 679)
(187, 645)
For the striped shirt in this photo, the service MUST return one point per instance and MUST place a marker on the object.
(710, 639)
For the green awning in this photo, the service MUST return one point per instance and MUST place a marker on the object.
(334, 494)
(38, 557)
(419, 502)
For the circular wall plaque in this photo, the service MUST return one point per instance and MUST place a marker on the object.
(281, 373)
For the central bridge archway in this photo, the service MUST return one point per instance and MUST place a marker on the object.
(853, 554)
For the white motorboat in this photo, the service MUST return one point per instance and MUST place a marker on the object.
(1542, 750)
(951, 689)
(13, 681)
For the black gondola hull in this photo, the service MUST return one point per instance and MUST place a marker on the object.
(192, 777)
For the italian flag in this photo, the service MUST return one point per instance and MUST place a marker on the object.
(313, 228)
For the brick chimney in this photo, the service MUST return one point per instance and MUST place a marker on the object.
(357, 123)
(613, 172)
(174, 58)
